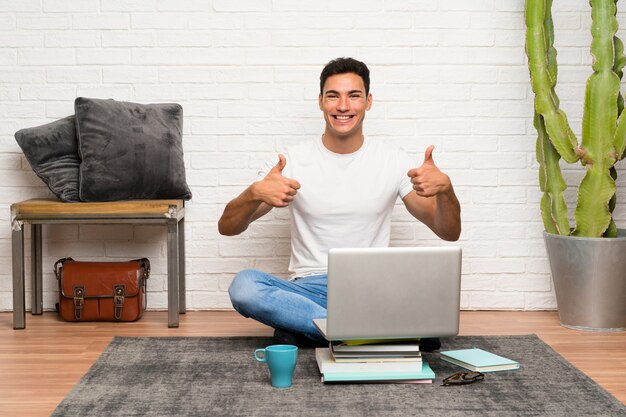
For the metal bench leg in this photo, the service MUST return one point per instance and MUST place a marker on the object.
(182, 291)
(17, 241)
(172, 274)
(36, 273)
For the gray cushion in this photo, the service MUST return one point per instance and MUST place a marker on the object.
(130, 151)
(52, 152)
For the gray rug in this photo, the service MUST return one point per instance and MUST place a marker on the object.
(202, 376)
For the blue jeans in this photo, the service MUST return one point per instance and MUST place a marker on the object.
(287, 305)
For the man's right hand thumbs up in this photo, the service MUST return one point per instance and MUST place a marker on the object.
(275, 189)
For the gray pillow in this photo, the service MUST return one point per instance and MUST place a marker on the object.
(52, 152)
(130, 151)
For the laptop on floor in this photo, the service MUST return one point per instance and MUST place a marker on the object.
(380, 293)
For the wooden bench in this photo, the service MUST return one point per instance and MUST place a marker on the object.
(37, 212)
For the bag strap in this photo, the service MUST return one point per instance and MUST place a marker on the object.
(119, 293)
(145, 263)
(79, 301)
(61, 262)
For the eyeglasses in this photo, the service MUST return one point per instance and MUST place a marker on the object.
(462, 378)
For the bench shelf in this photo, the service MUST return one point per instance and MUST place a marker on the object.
(38, 212)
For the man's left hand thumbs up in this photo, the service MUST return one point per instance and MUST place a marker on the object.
(428, 180)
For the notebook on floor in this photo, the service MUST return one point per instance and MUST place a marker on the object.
(380, 293)
(479, 360)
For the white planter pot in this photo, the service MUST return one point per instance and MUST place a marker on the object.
(589, 276)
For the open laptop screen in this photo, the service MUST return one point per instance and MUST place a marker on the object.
(393, 292)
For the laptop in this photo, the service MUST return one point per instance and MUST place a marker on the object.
(381, 293)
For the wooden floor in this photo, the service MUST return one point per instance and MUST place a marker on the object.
(40, 365)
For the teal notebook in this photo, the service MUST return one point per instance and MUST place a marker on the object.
(425, 374)
(479, 360)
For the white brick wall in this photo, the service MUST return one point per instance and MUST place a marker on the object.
(451, 73)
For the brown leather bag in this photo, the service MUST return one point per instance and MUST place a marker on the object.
(102, 291)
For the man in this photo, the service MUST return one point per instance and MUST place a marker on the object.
(340, 190)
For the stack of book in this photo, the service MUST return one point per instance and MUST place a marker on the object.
(382, 362)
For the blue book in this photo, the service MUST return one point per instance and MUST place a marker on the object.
(479, 360)
(425, 374)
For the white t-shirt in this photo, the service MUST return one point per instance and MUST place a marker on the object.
(345, 200)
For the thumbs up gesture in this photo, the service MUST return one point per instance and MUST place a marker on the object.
(275, 189)
(428, 180)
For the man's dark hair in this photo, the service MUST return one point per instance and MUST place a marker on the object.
(345, 66)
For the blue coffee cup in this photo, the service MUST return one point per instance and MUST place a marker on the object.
(281, 360)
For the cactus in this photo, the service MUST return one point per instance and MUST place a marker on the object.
(603, 129)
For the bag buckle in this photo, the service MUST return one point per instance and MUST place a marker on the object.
(79, 301)
(119, 292)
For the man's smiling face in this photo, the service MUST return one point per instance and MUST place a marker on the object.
(344, 103)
